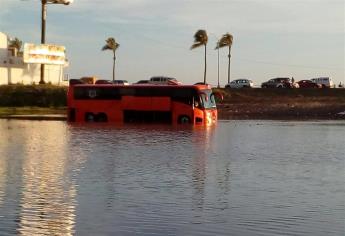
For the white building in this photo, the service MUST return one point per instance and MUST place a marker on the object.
(13, 70)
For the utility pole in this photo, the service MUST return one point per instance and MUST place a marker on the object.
(43, 25)
(43, 34)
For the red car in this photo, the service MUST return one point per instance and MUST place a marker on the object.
(308, 84)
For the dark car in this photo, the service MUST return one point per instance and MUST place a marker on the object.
(308, 84)
(120, 82)
(279, 83)
(201, 83)
(143, 82)
(103, 81)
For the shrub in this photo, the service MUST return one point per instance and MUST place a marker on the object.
(32, 95)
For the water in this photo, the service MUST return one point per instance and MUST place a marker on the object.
(238, 178)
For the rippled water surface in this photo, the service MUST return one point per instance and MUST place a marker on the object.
(238, 178)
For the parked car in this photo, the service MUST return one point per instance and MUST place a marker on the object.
(240, 83)
(89, 80)
(103, 81)
(279, 83)
(164, 80)
(308, 84)
(201, 83)
(120, 82)
(143, 82)
(326, 82)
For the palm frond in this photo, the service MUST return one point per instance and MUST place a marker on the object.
(226, 40)
(195, 45)
(200, 38)
(105, 47)
(111, 44)
(16, 43)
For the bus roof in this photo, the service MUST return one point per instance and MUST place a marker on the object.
(197, 86)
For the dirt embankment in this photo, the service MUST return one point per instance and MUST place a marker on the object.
(237, 103)
(282, 104)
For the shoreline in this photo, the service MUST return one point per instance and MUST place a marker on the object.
(228, 113)
(50, 103)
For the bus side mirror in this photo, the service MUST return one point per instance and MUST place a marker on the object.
(218, 95)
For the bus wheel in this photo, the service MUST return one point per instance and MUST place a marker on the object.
(90, 117)
(102, 117)
(184, 120)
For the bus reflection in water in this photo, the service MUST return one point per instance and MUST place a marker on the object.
(142, 103)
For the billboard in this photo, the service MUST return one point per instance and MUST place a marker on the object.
(44, 54)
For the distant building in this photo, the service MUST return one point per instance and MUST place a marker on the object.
(13, 70)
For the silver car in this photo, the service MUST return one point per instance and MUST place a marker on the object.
(240, 83)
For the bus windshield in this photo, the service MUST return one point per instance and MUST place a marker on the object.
(208, 99)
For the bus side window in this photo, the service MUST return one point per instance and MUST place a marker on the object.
(197, 102)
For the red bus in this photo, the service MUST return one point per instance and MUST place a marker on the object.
(142, 103)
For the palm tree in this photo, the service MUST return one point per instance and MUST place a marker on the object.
(111, 45)
(200, 38)
(16, 43)
(226, 40)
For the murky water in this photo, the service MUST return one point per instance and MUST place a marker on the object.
(238, 178)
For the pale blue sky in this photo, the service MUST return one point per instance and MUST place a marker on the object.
(299, 38)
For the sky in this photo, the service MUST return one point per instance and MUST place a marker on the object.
(272, 38)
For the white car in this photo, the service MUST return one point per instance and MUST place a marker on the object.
(164, 80)
(240, 83)
(326, 82)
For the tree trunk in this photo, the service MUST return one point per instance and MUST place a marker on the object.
(229, 64)
(114, 67)
(205, 67)
(218, 86)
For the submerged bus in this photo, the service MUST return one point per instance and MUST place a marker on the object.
(142, 103)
